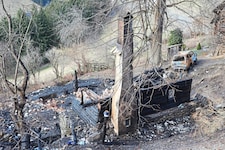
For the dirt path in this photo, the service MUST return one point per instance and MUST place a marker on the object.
(208, 78)
(188, 142)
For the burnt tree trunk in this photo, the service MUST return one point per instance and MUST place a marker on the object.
(16, 89)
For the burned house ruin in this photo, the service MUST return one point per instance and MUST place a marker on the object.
(129, 97)
(122, 101)
(155, 95)
(145, 94)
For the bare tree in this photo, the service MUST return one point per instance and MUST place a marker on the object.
(56, 60)
(72, 28)
(156, 49)
(82, 21)
(17, 89)
(32, 59)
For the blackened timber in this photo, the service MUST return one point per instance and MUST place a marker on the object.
(88, 114)
(75, 81)
(55, 91)
(164, 97)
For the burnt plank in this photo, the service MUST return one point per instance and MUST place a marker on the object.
(165, 97)
(88, 114)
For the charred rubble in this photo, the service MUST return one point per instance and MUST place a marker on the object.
(57, 116)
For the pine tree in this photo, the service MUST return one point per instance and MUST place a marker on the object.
(176, 37)
(44, 35)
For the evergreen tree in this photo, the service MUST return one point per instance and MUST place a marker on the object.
(43, 35)
(4, 29)
(199, 47)
(176, 37)
(21, 21)
(20, 25)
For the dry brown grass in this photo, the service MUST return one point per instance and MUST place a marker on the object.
(203, 40)
(39, 85)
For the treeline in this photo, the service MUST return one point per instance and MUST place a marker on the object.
(59, 23)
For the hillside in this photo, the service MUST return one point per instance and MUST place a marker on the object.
(14, 5)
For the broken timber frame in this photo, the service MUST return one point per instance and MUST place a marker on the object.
(124, 105)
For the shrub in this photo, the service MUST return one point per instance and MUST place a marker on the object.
(184, 47)
(176, 37)
(199, 47)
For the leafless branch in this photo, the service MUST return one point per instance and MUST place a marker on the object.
(8, 17)
(19, 99)
(184, 1)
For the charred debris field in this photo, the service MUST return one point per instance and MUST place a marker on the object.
(61, 118)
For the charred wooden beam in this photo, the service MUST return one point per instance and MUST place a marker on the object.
(75, 81)
(88, 114)
(154, 99)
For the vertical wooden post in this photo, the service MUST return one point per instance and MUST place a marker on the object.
(39, 138)
(75, 81)
(124, 113)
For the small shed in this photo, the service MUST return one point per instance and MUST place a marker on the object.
(173, 50)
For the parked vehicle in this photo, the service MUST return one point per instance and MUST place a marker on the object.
(193, 57)
(184, 60)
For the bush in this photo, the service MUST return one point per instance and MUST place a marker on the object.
(184, 47)
(199, 47)
(176, 37)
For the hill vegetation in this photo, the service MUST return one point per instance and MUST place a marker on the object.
(58, 24)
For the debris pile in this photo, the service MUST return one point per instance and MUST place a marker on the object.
(61, 125)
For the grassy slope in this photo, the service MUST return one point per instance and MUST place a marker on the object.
(13, 6)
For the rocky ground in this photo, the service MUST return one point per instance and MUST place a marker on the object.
(202, 129)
